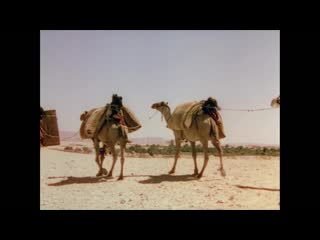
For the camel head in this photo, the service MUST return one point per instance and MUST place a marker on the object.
(83, 115)
(275, 103)
(160, 105)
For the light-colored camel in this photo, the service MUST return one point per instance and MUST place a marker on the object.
(200, 130)
(109, 134)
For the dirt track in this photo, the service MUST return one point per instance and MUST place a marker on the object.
(68, 182)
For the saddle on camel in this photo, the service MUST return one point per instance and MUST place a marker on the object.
(120, 115)
(185, 114)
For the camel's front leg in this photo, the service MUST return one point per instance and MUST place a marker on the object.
(206, 158)
(122, 147)
(217, 144)
(99, 158)
(114, 158)
(178, 146)
(194, 156)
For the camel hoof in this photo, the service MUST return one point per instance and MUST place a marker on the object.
(120, 178)
(99, 174)
(104, 171)
(171, 172)
(195, 173)
(223, 173)
(109, 175)
(199, 176)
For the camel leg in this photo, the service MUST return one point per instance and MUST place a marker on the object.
(194, 156)
(103, 153)
(98, 161)
(206, 158)
(178, 145)
(217, 144)
(122, 161)
(114, 159)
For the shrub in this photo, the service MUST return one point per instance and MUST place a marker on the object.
(86, 150)
(78, 149)
(68, 148)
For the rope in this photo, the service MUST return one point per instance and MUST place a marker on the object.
(48, 115)
(45, 133)
(153, 114)
(246, 110)
(71, 136)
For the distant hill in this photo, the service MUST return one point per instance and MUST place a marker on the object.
(251, 145)
(72, 136)
(150, 141)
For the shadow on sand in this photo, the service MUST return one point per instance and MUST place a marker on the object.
(257, 188)
(152, 179)
(78, 180)
(168, 178)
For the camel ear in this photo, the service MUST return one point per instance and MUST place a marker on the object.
(167, 103)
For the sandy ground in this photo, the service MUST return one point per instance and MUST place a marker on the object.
(68, 182)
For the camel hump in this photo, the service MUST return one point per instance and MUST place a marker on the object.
(91, 122)
(194, 110)
(176, 122)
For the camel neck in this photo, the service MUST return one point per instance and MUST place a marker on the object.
(166, 113)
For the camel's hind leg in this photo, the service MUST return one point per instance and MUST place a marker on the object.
(178, 145)
(194, 156)
(114, 158)
(206, 158)
(99, 158)
(217, 144)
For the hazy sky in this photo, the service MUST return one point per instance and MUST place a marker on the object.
(81, 70)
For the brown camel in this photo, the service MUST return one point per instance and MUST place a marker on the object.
(202, 129)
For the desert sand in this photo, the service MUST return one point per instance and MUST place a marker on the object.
(68, 182)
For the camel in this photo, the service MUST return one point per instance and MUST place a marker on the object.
(275, 103)
(200, 130)
(109, 135)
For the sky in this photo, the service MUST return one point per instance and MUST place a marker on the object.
(80, 70)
